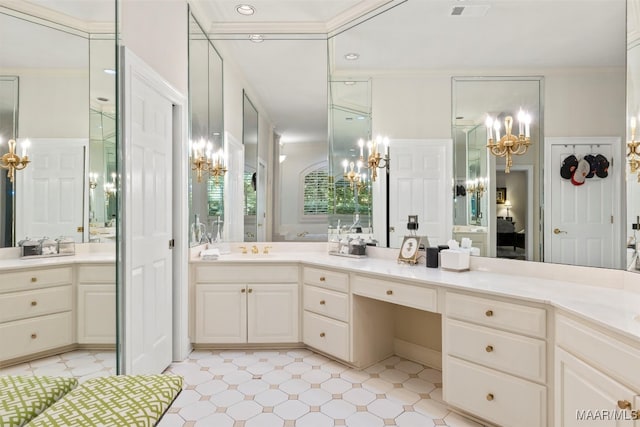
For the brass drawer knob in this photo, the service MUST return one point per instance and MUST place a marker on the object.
(490, 397)
(321, 334)
(488, 313)
(489, 348)
(243, 290)
(34, 279)
(34, 336)
(322, 302)
(34, 303)
(389, 292)
(322, 278)
(624, 404)
(250, 290)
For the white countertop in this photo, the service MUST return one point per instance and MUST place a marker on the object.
(616, 309)
(79, 258)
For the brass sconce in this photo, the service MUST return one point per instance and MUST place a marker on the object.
(205, 161)
(12, 162)
(633, 150)
(110, 187)
(375, 160)
(355, 178)
(93, 180)
(476, 186)
(509, 145)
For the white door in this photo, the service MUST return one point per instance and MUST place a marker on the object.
(221, 313)
(582, 391)
(272, 313)
(581, 222)
(147, 220)
(233, 227)
(420, 177)
(50, 192)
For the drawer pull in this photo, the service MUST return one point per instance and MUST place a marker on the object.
(250, 290)
(34, 303)
(389, 292)
(489, 348)
(624, 404)
(490, 397)
(488, 313)
(34, 279)
(322, 278)
(321, 334)
(242, 291)
(34, 336)
(322, 302)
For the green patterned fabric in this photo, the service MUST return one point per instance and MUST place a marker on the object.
(125, 400)
(23, 397)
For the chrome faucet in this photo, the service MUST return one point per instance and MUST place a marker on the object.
(254, 249)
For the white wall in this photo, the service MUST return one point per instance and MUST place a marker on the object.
(52, 103)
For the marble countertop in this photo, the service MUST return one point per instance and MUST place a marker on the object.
(616, 309)
(79, 258)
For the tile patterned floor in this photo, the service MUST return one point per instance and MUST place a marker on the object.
(299, 388)
(82, 364)
(296, 388)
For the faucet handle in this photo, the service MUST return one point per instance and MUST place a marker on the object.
(266, 249)
(244, 249)
(254, 249)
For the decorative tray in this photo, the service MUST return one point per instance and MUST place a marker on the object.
(347, 255)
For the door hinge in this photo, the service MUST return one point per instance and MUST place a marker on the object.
(611, 219)
(172, 243)
(80, 229)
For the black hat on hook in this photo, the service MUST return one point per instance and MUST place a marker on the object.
(593, 165)
(569, 165)
(602, 170)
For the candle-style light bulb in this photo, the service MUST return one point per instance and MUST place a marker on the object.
(370, 146)
(496, 127)
(359, 164)
(361, 145)
(527, 123)
(345, 164)
(632, 123)
(25, 144)
(385, 141)
(521, 117)
(489, 123)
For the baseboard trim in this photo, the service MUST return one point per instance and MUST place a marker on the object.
(418, 353)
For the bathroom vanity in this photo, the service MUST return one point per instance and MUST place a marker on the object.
(516, 350)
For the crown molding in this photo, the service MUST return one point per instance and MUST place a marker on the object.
(227, 28)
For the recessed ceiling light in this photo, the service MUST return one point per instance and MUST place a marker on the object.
(351, 56)
(245, 9)
(349, 83)
(256, 38)
(109, 71)
(360, 117)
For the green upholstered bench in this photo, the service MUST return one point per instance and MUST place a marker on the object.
(125, 400)
(23, 397)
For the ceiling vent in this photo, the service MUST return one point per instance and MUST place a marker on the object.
(470, 10)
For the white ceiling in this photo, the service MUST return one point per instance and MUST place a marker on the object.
(290, 74)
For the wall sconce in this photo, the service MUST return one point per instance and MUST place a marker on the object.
(354, 178)
(509, 145)
(205, 161)
(93, 180)
(476, 186)
(633, 150)
(375, 160)
(12, 162)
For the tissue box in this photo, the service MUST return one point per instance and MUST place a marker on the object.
(454, 260)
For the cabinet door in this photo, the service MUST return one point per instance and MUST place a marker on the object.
(96, 314)
(273, 313)
(587, 397)
(221, 313)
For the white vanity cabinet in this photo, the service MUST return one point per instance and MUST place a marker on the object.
(325, 321)
(36, 307)
(96, 304)
(597, 377)
(495, 360)
(246, 304)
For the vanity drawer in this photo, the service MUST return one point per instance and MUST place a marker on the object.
(494, 396)
(30, 336)
(398, 293)
(327, 335)
(326, 302)
(97, 273)
(40, 278)
(258, 273)
(511, 353)
(20, 305)
(326, 279)
(498, 314)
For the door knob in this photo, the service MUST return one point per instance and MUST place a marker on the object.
(558, 231)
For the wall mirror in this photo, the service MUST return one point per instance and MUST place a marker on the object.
(73, 69)
(275, 137)
(632, 226)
